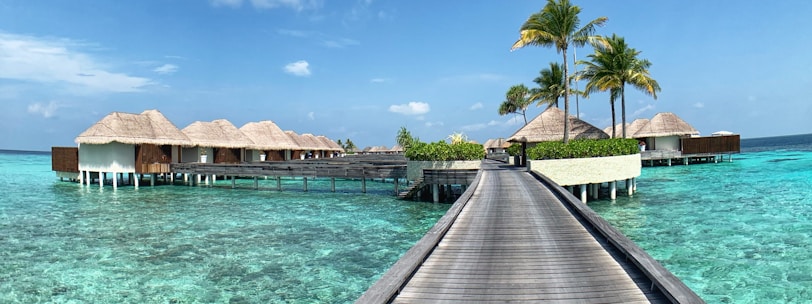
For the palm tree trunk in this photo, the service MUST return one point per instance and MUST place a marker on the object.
(566, 100)
(623, 107)
(614, 121)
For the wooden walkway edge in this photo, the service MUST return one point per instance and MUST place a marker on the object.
(517, 236)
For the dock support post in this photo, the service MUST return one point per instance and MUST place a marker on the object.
(304, 179)
(233, 182)
(435, 192)
(634, 184)
(583, 193)
(185, 178)
(152, 180)
(278, 183)
(213, 179)
(115, 180)
(595, 191)
(87, 179)
(332, 184)
(364, 184)
(629, 190)
(172, 178)
(397, 180)
(136, 180)
(199, 179)
(613, 190)
(101, 180)
(669, 162)
(256, 183)
(685, 161)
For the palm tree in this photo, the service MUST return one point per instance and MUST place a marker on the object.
(557, 25)
(551, 86)
(517, 99)
(614, 66)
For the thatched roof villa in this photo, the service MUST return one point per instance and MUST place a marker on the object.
(330, 146)
(496, 145)
(549, 126)
(269, 140)
(220, 139)
(663, 132)
(120, 142)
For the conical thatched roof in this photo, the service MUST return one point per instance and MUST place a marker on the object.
(665, 124)
(635, 127)
(302, 142)
(495, 143)
(330, 144)
(149, 127)
(266, 135)
(314, 142)
(396, 148)
(218, 133)
(549, 126)
(379, 149)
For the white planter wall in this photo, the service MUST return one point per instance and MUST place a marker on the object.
(581, 171)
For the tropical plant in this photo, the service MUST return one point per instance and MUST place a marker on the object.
(517, 99)
(349, 145)
(557, 25)
(442, 151)
(457, 138)
(583, 148)
(405, 138)
(551, 86)
(613, 66)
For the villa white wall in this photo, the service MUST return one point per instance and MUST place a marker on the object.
(669, 143)
(593, 170)
(112, 157)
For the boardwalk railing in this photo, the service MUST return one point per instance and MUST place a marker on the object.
(294, 169)
(671, 286)
(390, 284)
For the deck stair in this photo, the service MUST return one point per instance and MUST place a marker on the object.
(411, 191)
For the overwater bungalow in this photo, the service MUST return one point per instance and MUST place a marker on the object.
(218, 141)
(332, 148)
(496, 146)
(668, 137)
(305, 148)
(396, 149)
(125, 143)
(269, 142)
(631, 128)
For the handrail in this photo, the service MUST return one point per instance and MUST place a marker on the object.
(671, 286)
(393, 281)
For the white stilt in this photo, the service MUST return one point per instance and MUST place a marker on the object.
(115, 180)
(199, 179)
(435, 193)
(583, 193)
(634, 183)
(629, 190)
(152, 180)
(669, 162)
(172, 178)
(136, 179)
(332, 184)
(101, 180)
(233, 182)
(685, 161)
(256, 183)
(613, 189)
(595, 191)
(304, 183)
(185, 177)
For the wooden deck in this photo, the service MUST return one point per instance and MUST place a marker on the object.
(517, 237)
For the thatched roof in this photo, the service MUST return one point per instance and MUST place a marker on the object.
(149, 127)
(397, 148)
(549, 126)
(218, 133)
(631, 128)
(665, 124)
(302, 142)
(330, 144)
(315, 143)
(379, 149)
(496, 143)
(266, 135)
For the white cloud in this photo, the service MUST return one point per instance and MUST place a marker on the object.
(46, 110)
(229, 3)
(270, 4)
(643, 109)
(378, 80)
(476, 106)
(699, 105)
(434, 124)
(166, 69)
(298, 68)
(311, 116)
(412, 108)
(58, 61)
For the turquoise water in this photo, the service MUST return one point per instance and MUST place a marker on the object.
(737, 232)
(62, 242)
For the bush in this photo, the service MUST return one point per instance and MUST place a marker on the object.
(442, 151)
(583, 148)
(515, 149)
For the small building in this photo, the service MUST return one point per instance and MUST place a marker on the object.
(268, 140)
(664, 131)
(218, 142)
(332, 148)
(496, 146)
(396, 149)
(125, 143)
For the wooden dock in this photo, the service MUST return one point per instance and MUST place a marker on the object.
(515, 236)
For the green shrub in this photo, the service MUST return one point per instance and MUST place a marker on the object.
(583, 148)
(515, 149)
(442, 151)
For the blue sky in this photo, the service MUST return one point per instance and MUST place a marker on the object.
(362, 69)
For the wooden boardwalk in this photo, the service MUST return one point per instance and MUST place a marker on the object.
(515, 240)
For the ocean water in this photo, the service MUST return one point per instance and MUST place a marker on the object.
(734, 232)
(65, 243)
